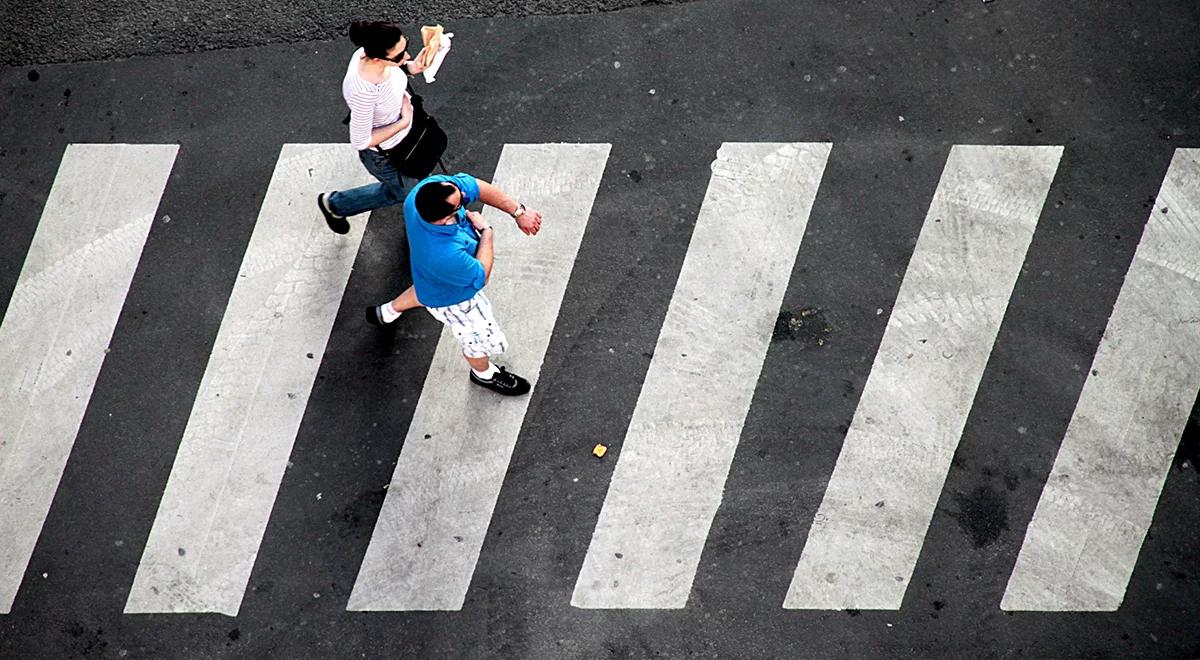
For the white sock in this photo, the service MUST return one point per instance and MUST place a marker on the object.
(486, 374)
(388, 313)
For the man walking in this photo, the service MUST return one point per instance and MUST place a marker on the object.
(451, 253)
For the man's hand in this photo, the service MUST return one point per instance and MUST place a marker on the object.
(530, 222)
(477, 221)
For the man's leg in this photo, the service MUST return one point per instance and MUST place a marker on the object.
(390, 311)
(480, 336)
(480, 365)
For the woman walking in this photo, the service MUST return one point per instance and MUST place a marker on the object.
(381, 112)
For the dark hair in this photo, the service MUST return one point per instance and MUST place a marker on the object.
(376, 38)
(433, 200)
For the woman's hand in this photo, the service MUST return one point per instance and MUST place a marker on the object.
(414, 65)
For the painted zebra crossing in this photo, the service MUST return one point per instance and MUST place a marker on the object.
(441, 497)
(234, 451)
(1085, 535)
(685, 429)
(987, 204)
(868, 532)
(59, 322)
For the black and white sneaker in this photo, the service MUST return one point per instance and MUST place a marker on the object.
(337, 223)
(375, 315)
(503, 382)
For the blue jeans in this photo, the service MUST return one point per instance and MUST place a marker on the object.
(390, 190)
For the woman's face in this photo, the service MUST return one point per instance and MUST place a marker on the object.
(398, 53)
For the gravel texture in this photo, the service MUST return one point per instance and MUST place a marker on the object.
(50, 31)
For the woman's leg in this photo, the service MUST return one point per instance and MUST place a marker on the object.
(390, 190)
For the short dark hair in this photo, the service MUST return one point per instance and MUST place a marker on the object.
(433, 200)
(376, 38)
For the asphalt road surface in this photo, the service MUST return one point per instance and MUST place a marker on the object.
(78, 31)
(884, 312)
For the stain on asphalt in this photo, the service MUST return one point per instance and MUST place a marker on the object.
(354, 517)
(86, 641)
(1011, 481)
(809, 326)
(938, 606)
(982, 514)
(1188, 453)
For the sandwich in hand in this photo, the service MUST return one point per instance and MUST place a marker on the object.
(431, 35)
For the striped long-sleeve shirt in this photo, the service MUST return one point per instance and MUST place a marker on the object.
(372, 105)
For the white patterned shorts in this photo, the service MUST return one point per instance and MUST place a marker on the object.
(473, 323)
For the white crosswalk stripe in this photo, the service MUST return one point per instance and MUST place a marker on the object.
(59, 322)
(253, 394)
(1079, 550)
(440, 501)
(1087, 531)
(871, 524)
(675, 457)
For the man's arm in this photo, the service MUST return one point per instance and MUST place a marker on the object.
(485, 253)
(528, 220)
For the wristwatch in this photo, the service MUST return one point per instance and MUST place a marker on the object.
(520, 211)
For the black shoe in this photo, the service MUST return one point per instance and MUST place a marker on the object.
(375, 315)
(337, 223)
(503, 382)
